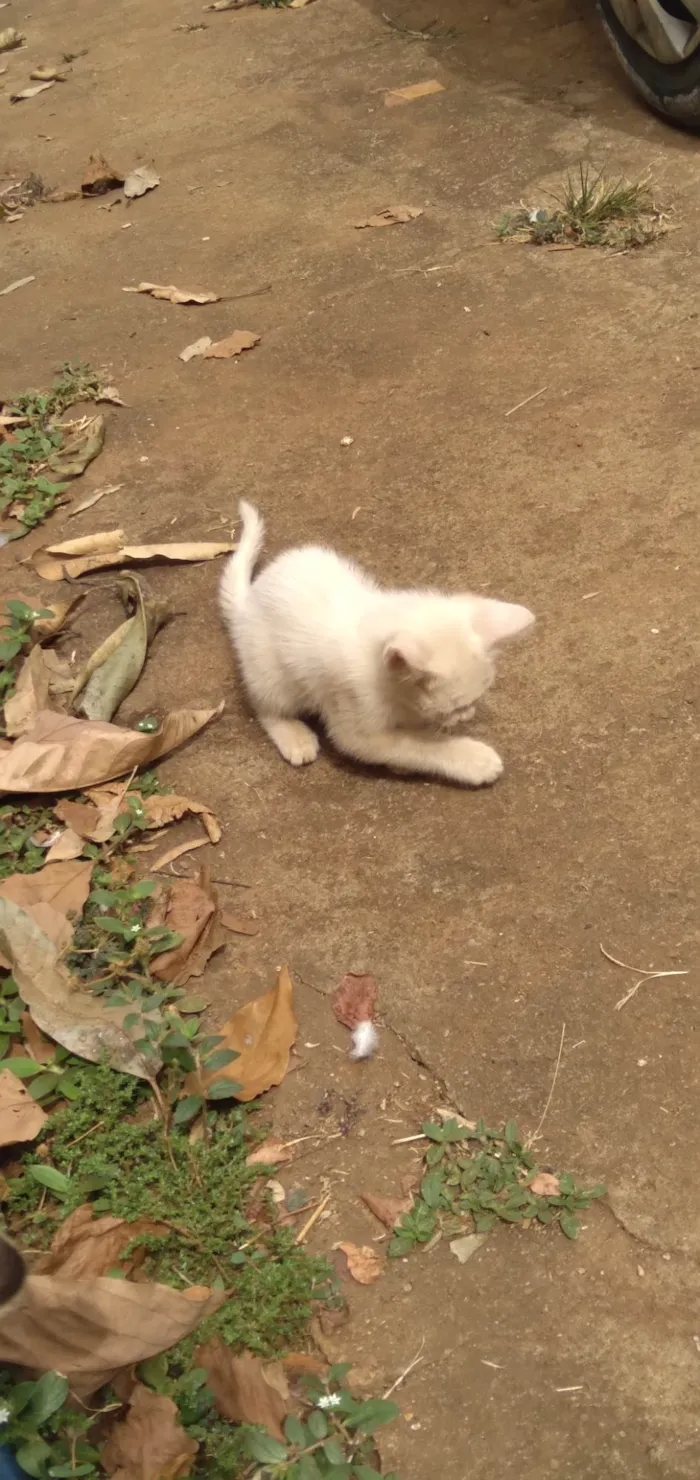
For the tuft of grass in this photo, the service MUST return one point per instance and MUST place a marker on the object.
(26, 492)
(590, 211)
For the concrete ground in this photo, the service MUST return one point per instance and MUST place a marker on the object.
(480, 914)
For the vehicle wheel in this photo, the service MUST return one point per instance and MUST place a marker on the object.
(658, 43)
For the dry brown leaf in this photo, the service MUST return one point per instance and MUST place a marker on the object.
(81, 1022)
(56, 562)
(196, 350)
(99, 177)
(10, 38)
(545, 1184)
(94, 498)
(173, 853)
(68, 845)
(21, 1117)
(262, 1034)
(355, 999)
(391, 216)
(38, 1047)
(86, 442)
(415, 90)
(140, 180)
(95, 819)
(173, 295)
(85, 1247)
(66, 754)
(389, 1210)
(271, 1153)
(45, 72)
(239, 926)
(191, 911)
(90, 1329)
(364, 1264)
(50, 895)
(31, 694)
(246, 1389)
(45, 627)
(150, 1443)
(160, 810)
(58, 197)
(30, 92)
(225, 349)
(303, 1364)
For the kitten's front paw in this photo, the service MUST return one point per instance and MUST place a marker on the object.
(302, 749)
(482, 764)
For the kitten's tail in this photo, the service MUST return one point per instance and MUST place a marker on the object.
(238, 574)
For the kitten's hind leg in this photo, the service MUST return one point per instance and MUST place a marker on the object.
(294, 740)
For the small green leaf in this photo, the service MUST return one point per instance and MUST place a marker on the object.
(433, 1132)
(32, 1456)
(317, 1423)
(49, 1395)
(294, 1431)
(333, 1452)
(371, 1415)
(143, 889)
(569, 1224)
(339, 1370)
(51, 1178)
(365, 1472)
(220, 1060)
(186, 1109)
(431, 1188)
(223, 1089)
(44, 1084)
(24, 1068)
(264, 1448)
(154, 1372)
(307, 1468)
(511, 1135)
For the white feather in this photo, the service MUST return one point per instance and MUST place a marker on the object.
(365, 1039)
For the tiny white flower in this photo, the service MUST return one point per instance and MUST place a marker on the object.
(5, 1413)
(331, 1400)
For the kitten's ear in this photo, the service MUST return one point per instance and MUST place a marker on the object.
(496, 621)
(403, 656)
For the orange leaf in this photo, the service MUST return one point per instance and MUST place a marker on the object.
(364, 1264)
(246, 1389)
(150, 1443)
(262, 1034)
(85, 1246)
(545, 1184)
(21, 1118)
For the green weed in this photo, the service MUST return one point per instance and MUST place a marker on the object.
(15, 639)
(25, 489)
(590, 211)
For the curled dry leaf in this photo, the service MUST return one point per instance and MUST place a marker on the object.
(38, 1047)
(545, 1184)
(10, 38)
(271, 1153)
(389, 1210)
(95, 819)
(140, 180)
(262, 1034)
(150, 1443)
(68, 845)
(173, 295)
(226, 349)
(172, 853)
(160, 810)
(192, 911)
(415, 90)
(12, 287)
(58, 197)
(100, 493)
(48, 73)
(194, 351)
(116, 672)
(98, 552)
(99, 177)
(246, 1389)
(65, 754)
(30, 696)
(464, 1247)
(391, 216)
(30, 92)
(364, 1264)
(50, 895)
(21, 1118)
(71, 460)
(90, 1329)
(79, 1021)
(84, 1246)
(240, 926)
(355, 1000)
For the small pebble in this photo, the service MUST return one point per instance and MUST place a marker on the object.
(346, 441)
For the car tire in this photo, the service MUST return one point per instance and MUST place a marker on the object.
(670, 89)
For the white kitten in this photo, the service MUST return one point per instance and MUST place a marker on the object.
(390, 673)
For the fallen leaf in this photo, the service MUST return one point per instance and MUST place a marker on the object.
(303, 1364)
(71, 460)
(161, 810)
(173, 295)
(464, 1247)
(76, 1019)
(115, 673)
(354, 1001)
(10, 38)
(58, 197)
(30, 92)
(230, 4)
(389, 1210)
(47, 73)
(140, 180)
(192, 912)
(95, 497)
(11, 287)
(65, 754)
(38, 1047)
(68, 845)
(85, 1247)
(150, 1443)
(245, 1389)
(176, 852)
(94, 820)
(21, 1118)
(30, 696)
(91, 1329)
(299, 4)
(444, 1114)
(225, 349)
(364, 1264)
(415, 90)
(240, 926)
(60, 611)
(271, 1153)
(262, 1034)
(99, 177)
(391, 216)
(545, 1184)
(50, 895)
(192, 351)
(76, 557)
(109, 392)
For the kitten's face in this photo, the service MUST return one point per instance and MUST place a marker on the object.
(441, 668)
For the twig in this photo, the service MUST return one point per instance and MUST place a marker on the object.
(531, 1139)
(409, 1368)
(313, 1219)
(404, 1139)
(641, 972)
(248, 293)
(96, 1127)
(527, 400)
